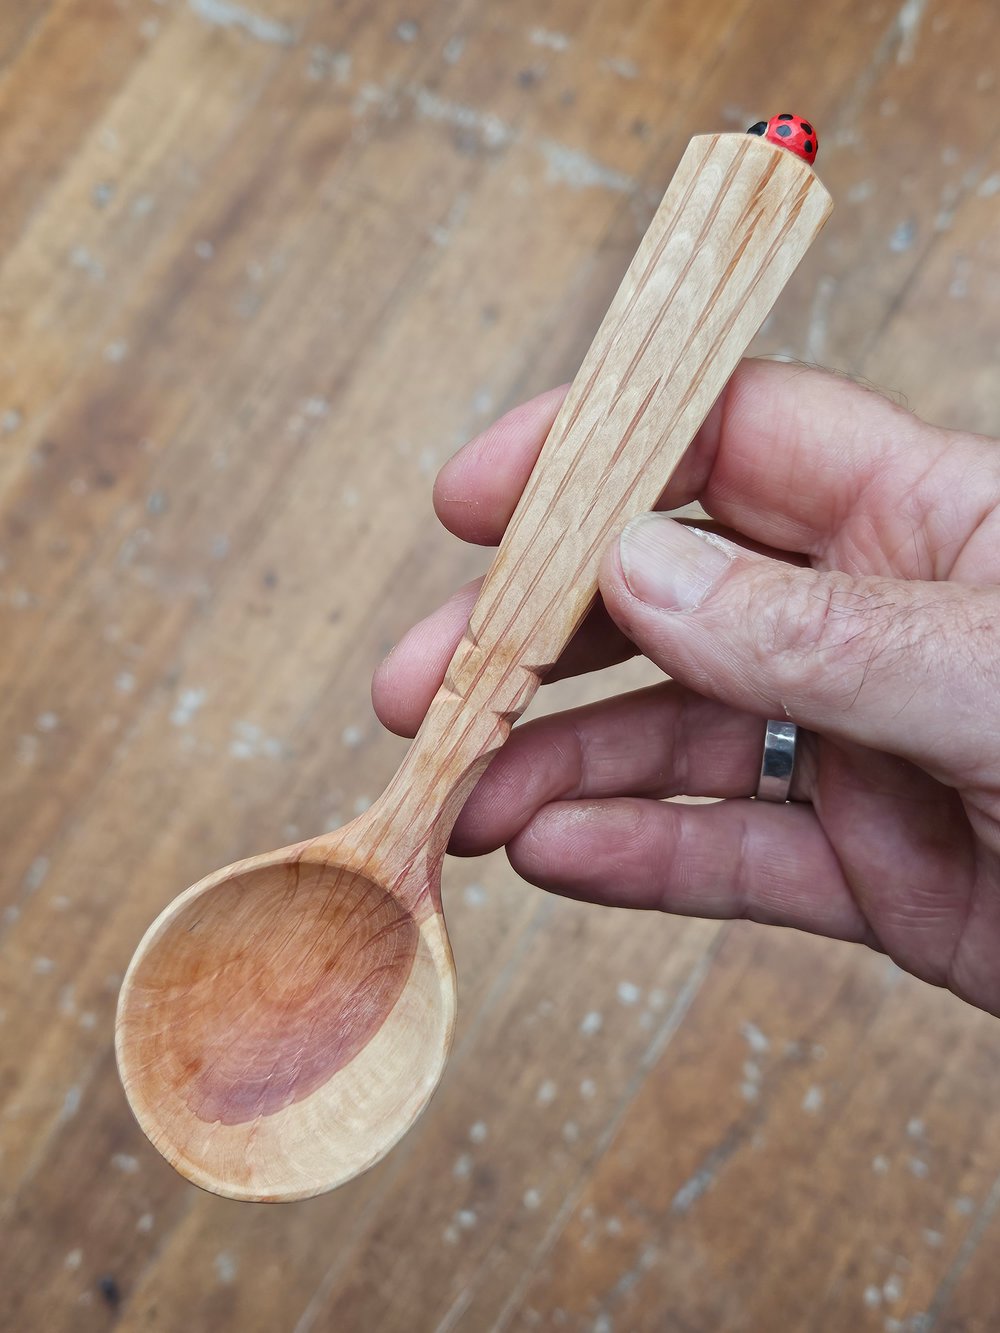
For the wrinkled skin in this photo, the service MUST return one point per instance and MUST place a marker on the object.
(862, 600)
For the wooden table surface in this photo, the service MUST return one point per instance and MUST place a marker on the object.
(264, 268)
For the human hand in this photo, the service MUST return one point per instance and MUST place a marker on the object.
(857, 593)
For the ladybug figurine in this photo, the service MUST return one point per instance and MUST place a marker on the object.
(791, 132)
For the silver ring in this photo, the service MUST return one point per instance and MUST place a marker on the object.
(777, 763)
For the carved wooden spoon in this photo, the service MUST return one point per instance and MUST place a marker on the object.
(285, 1021)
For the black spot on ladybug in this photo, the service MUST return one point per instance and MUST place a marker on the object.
(784, 130)
(807, 147)
(785, 116)
(807, 128)
(759, 128)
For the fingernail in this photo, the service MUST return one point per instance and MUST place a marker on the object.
(669, 565)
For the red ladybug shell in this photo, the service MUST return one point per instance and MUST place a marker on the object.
(791, 132)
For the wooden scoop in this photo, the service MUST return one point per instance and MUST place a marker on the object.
(286, 1020)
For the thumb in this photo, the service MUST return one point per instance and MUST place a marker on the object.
(904, 666)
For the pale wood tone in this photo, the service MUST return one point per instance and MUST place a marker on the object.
(285, 1021)
(421, 276)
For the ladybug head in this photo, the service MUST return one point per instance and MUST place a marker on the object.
(791, 132)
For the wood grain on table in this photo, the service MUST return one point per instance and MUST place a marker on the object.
(264, 267)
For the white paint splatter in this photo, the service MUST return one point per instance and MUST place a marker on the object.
(352, 737)
(919, 1168)
(474, 895)
(47, 721)
(71, 1102)
(81, 258)
(588, 1089)
(546, 1094)
(531, 1199)
(812, 1102)
(123, 1161)
(933, 1238)
(494, 132)
(204, 249)
(989, 187)
(225, 1267)
(592, 1023)
(478, 1132)
(571, 1132)
(908, 22)
(73, 1260)
(892, 1289)
(125, 682)
(915, 1128)
(145, 1224)
(873, 1297)
(249, 742)
(453, 49)
(553, 41)
(225, 14)
(327, 64)
(116, 351)
(692, 1190)
(10, 421)
(580, 171)
(628, 993)
(903, 237)
(880, 1165)
(466, 1218)
(964, 1205)
(754, 1038)
(462, 1167)
(625, 69)
(189, 701)
(408, 31)
(43, 966)
(35, 874)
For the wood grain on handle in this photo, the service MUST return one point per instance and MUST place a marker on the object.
(738, 216)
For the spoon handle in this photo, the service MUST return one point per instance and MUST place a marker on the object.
(736, 219)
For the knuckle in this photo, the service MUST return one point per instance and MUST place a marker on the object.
(821, 620)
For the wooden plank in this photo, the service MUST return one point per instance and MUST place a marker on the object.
(402, 243)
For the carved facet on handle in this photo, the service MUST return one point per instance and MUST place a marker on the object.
(736, 220)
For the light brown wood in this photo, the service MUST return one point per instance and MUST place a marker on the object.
(285, 1021)
(412, 277)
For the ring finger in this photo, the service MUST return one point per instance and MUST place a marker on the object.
(657, 742)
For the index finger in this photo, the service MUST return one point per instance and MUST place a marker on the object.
(790, 457)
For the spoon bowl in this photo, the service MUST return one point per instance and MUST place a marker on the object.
(284, 1022)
